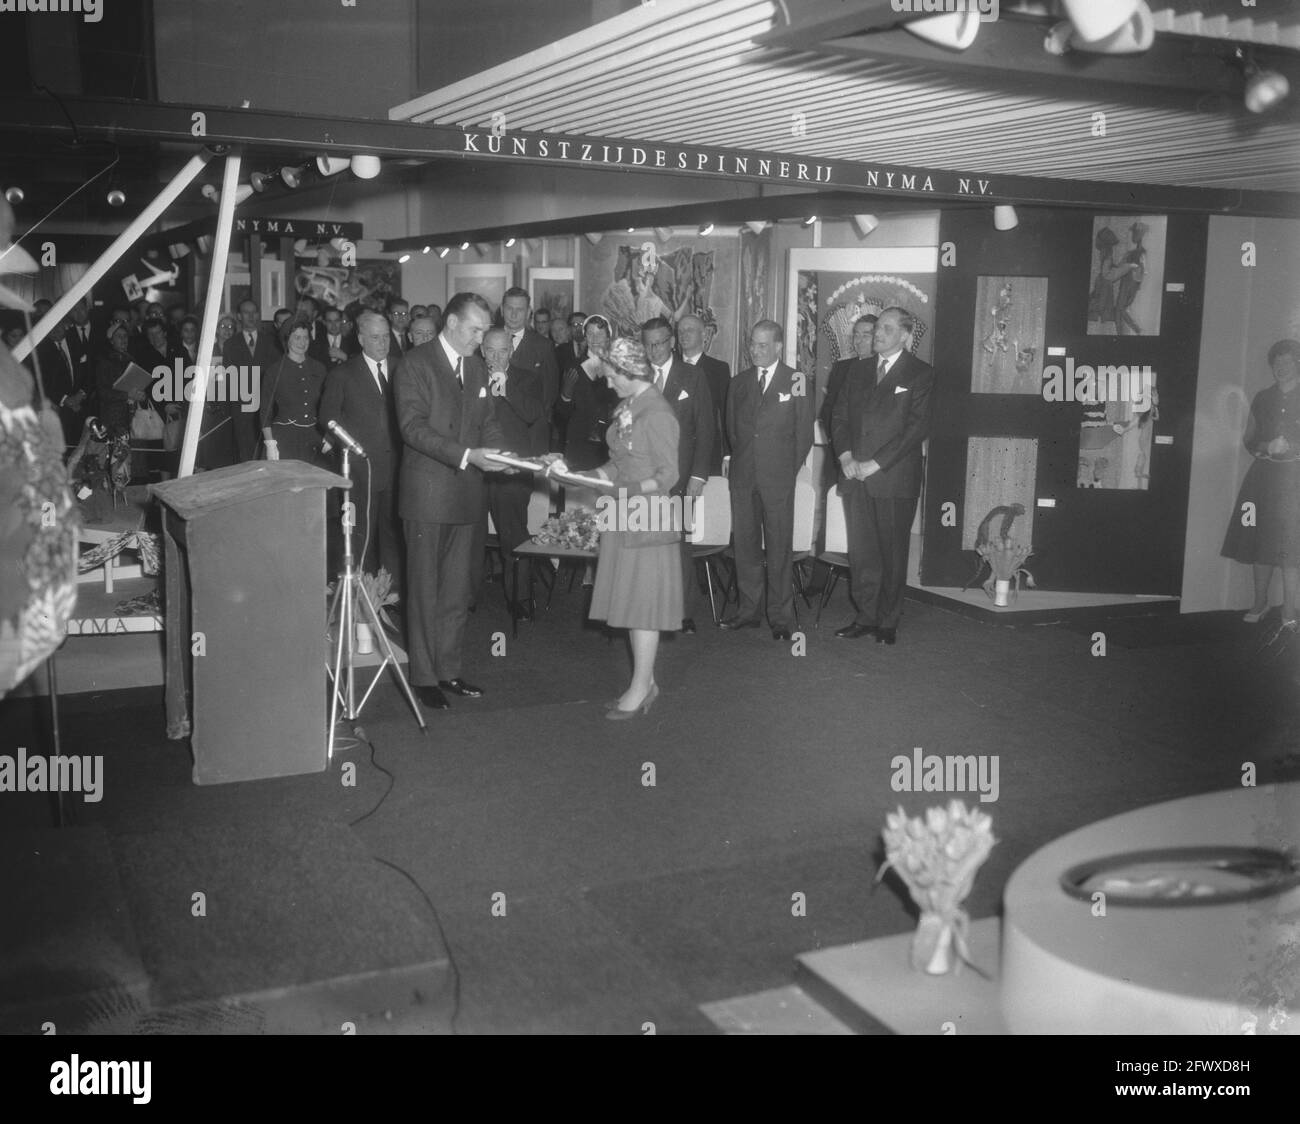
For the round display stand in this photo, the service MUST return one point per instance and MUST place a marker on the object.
(1189, 967)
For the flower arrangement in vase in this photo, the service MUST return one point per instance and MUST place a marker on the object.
(574, 530)
(1004, 555)
(937, 858)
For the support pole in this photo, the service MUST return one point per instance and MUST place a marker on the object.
(108, 259)
(197, 393)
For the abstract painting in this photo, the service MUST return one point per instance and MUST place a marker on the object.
(1010, 334)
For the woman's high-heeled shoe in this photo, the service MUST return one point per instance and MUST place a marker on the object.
(616, 715)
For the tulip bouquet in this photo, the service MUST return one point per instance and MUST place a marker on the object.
(576, 530)
(937, 858)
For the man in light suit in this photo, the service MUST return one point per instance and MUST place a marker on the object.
(358, 395)
(770, 410)
(254, 348)
(448, 425)
(690, 341)
(685, 390)
(880, 419)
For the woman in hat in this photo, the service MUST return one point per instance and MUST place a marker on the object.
(639, 572)
(1264, 530)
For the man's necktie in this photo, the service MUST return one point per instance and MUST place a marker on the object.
(383, 375)
(249, 337)
(764, 374)
(460, 371)
(661, 378)
(881, 371)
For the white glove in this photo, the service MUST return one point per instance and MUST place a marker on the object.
(272, 450)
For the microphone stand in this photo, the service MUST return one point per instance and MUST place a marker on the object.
(342, 618)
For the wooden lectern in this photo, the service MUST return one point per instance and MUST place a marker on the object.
(245, 612)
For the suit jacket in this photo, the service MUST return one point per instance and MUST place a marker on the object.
(835, 383)
(536, 353)
(718, 376)
(521, 412)
(566, 356)
(397, 345)
(439, 421)
(885, 423)
(770, 434)
(353, 399)
(266, 350)
(351, 346)
(687, 391)
(59, 379)
(318, 347)
(83, 358)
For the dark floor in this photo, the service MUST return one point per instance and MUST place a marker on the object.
(624, 902)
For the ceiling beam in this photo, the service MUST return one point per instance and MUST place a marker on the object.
(217, 128)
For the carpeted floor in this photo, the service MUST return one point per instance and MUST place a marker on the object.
(574, 895)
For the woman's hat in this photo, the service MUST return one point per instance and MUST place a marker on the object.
(628, 358)
(1106, 238)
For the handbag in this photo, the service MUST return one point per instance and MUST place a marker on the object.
(147, 424)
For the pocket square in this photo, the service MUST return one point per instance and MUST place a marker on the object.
(482, 391)
(683, 396)
(901, 389)
(782, 397)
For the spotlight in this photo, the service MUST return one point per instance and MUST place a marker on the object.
(210, 192)
(482, 248)
(707, 228)
(444, 251)
(954, 30)
(1264, 88)
(865, 224)
(259, 180)
(509, 242)
(756, 227)
(14, 195)
(1005, 218)
(116, 197)
(593, 236)
(178, 250)
(404, 259)
(204, 244)
(428, 248)
(331, 165)
(338, 243)
(464, 246)
(365, 167)
(631, 229)
(663, 233)
(300, 246)
(1103, 27)
(293, 176)
(810, 220)
(243, 193)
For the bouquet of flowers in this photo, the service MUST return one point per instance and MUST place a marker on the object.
(937, 857)
(575, 530)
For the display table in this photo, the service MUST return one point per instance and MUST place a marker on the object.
(1228, 968)
(126, 518)
(533, 550)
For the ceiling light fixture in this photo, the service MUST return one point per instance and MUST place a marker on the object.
(293, 176)
(426, 249)
(865, 224)
(1264, 88)
(1005, 218)
(365, 167)
(404, 259)
(707, 228)
(1103, 27)
(14, 195)
(331, 165)
(663, 233)
(259, 180)
(756, 227)
(593, 236)
(116, 197)
(954, 30)
(444, 251)
(810, 220)
(509, 242)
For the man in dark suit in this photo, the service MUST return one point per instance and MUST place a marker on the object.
(717, 374)
(881, 417)
(448, 425)
(342, 343)
(359, 396)
(529, 349)
(684, 388)
(64, 388)
(399, 320)
(864, 355)
(770, 426)
(517, 400)
(80, 345)
(574, 349)
(317, 345)
(254, 348)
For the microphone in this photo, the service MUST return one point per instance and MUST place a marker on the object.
(343, 435)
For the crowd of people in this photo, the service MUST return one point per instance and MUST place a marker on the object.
(435, 398)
